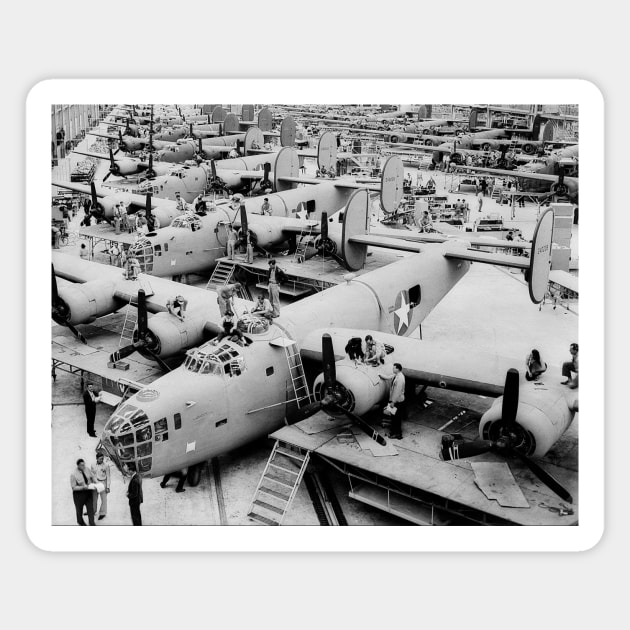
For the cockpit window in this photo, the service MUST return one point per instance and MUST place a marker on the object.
(215, 360)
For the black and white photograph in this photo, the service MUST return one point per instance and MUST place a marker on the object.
(296, 314)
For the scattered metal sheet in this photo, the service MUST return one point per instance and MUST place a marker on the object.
(320, 422)
(368, 444)
(74, 344)
(495, 480)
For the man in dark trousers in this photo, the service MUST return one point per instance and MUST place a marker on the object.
(80, 479)
(90, 399)
(182, 474)
(134, 494)
(397, 400)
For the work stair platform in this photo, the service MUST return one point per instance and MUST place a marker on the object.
(223, 274)
(279, 484)
(304, 240)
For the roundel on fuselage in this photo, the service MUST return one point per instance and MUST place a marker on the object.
(392, 180)
(402, 312)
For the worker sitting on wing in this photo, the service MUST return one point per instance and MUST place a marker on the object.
(354, 350)
(200, 205)
(263, 307)
(426, 223)
(535, 365)
(133, 267)
(177, 307)
(374, 351)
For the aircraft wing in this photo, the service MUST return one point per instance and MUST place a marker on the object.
(427, 362)
(102, 135)
(158, 290)
(546, 177)
(97, 156)
(457, 251)
(418, 237)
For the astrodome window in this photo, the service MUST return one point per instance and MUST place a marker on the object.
(187, 221)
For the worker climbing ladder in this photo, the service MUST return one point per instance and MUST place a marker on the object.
(278, 484)
(223, 274)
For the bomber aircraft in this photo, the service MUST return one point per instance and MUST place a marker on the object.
(226, 395)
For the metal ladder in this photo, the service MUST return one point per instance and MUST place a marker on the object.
(302, 244)
(278, 484)
(296, 372)
(223, 273)
(129, 325)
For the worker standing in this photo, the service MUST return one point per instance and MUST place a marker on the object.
(231, 241)
(275, 277)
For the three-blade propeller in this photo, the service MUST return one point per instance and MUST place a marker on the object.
(508, 442)
(331, 395)
(144, 340)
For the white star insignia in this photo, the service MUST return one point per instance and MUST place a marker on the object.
(402, 312)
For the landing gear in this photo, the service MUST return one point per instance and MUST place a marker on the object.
(194, 475)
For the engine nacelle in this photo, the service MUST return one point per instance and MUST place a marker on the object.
(126, 166)
(542, 417)
(529, 148)
(85, 302)
(398, 136)
(359, 388)
(170, 336)
(267, 233)
(490, 145)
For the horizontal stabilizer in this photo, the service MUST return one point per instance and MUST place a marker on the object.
(503, 260)
(384, 241)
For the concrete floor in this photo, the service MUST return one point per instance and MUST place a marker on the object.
(488, 310)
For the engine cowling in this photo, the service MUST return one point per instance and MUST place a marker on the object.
(169, 336)
(358, 388)
(529, 148)
(542, 417)
(83, 303)
(267, 233)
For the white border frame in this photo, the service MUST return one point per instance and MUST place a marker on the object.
(243, 538)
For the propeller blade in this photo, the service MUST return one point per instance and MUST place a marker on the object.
(550, 481)
(143, 320)
(150, 171)
(328, 359)
(456, 449)
(324, 226)
(244, 226)
(109, 174)
(76, 333)
(200, 146)
(55, 292)
(510, 399)
(125, 351)
(191, 131)
(361, 423)
(213, 168)
(160, 362)
(112, 161)
(305, 412)
(94, 197)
